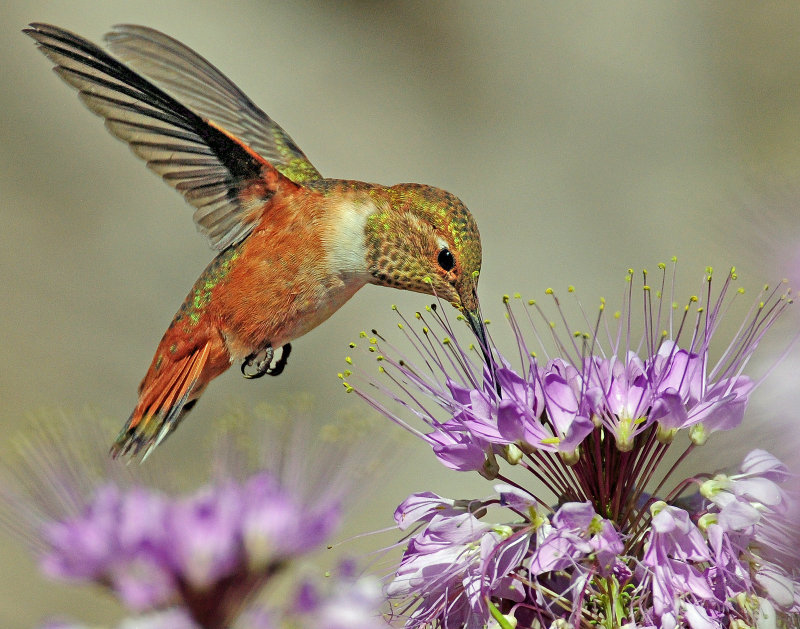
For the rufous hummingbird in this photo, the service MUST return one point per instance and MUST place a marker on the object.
(293, 246)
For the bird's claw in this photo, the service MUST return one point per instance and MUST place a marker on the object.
(261, 366)
(264, 367)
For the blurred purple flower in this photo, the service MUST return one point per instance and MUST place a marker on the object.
(204, 534)
(269, 522)
(350, 602)
(190, 546)
(204, 553)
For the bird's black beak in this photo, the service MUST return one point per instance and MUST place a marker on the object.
(478, 328)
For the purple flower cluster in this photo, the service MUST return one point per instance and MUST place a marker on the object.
(348, 602)
(591, 416)
(595, 385)
(154, 550)
(708, 569)
(451, 563)
(193, 560)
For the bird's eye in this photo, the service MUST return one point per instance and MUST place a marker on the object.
(446, 260)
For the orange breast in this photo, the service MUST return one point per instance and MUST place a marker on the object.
(281, 286)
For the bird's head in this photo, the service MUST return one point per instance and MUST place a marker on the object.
(425, 240)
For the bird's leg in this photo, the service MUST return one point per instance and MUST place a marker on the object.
(261, 367)
(264, 367)
(280, 364)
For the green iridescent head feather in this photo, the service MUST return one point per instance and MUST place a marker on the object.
(414, 223)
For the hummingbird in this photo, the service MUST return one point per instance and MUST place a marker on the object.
(292, 246)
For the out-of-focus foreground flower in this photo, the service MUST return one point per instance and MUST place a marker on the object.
(193, 559)
(597, 534)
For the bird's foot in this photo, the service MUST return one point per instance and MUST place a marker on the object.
(254, 367)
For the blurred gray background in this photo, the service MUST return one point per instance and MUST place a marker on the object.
(586, 138)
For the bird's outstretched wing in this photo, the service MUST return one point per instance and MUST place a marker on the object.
(181, 72)
(226, 180)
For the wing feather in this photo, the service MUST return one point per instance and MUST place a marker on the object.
(180, 71)
(209, 165)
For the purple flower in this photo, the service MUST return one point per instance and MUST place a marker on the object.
(728, 573)
(152, 549)
(270, 518)
(590, 416)
(577, 533)
(83, 547)
(143, 575)
(451, 564)
(636, 392)
(620, 394)
(673, 534)
(674, 546)
(757, 520)
(422, 507)
(686, 397)
(350, 603)
(119, 539)
(205, 552)
(205, 534)
(563, 385)
(460, 450)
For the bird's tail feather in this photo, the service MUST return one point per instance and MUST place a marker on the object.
(163, 401)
